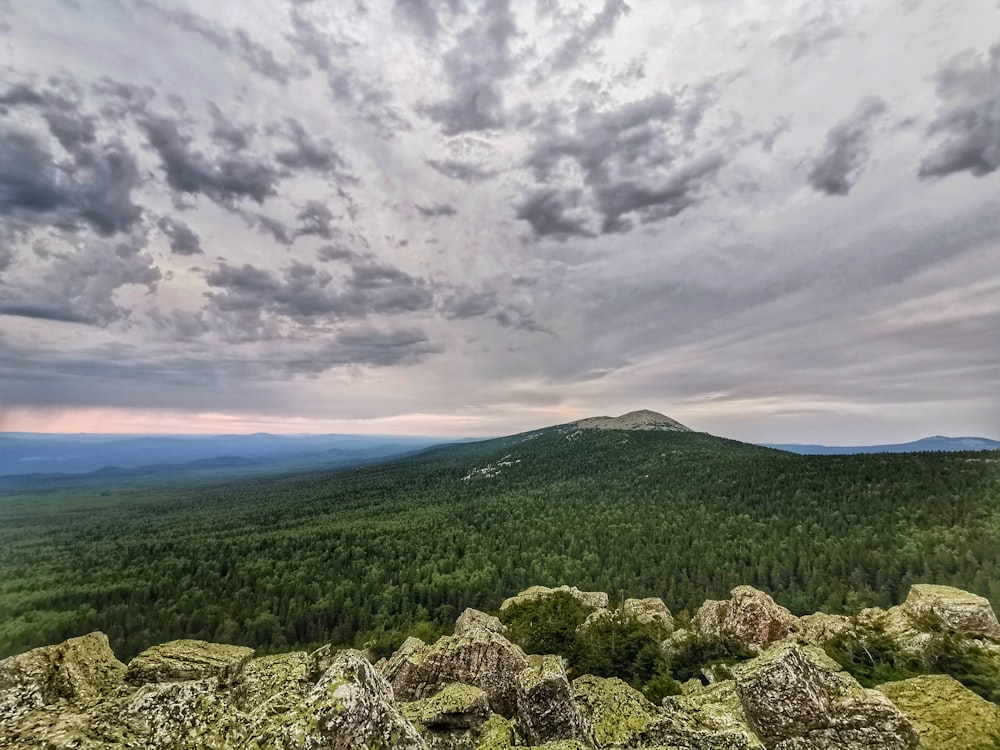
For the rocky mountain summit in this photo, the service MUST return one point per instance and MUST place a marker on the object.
(644, 419)
(478, 690)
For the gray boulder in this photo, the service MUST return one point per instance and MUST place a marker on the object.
(350, 707)
(750, 617)
(797, 697)
(546, 710)
(477, 657)
(187, 660)
(595, 599)
(76, 671)
(947, 608)
(472, 619)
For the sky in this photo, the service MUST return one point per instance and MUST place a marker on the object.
(771, 220)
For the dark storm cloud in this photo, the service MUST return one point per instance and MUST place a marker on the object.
(435, 210)
(255, 55)
(846, 151)
(487, 302)
(333, 253)
(967, 125)
(226, 179)
(813, 33)
(602, 24)
(121, 101)
(423, 14)
(260, 59)
(460, 170)
(80, 286)
(366, 346)
(554, 213)
(475, 66)
(59, 105)
(183, 239)
(633, 163)
(227, 133)
(305, 294)
(331, 49)
(315, 219)
(269, 226)
(308, 153)
(95, 189)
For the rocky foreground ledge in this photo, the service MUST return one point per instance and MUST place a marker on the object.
(477, 690)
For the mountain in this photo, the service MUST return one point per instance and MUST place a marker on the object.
(938, 443)
(40, 454)
(644, 419)
(374, 552)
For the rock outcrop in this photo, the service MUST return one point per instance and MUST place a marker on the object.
(797, 697)
(352, 706)
(644, 419)
(595, 599)
(545, 709)
(477, 657)
(650, 611)
(187, 660)
(946, 714)
(80, 670)
(749, 617)
(952, 610)
(476, 690)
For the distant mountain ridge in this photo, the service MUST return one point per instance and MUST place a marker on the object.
(43, 454)
(935, 443)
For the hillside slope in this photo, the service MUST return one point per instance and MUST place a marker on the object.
(407, 544)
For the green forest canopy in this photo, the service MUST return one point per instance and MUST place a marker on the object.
(405, 545)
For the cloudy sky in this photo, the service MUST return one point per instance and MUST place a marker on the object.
(775, 220)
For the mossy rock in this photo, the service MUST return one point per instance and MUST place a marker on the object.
(617, 713)
(187, 660)
(273, 684)
(456, 706)
(77, 670)
(946, 714)
(708, 714)
(496, 734)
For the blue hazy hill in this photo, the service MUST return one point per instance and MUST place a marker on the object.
(936, 443)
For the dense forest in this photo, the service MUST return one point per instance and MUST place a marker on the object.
(366, 554)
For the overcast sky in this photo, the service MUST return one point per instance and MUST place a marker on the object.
(775, 220)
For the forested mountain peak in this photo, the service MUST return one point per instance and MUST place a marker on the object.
(643, 419)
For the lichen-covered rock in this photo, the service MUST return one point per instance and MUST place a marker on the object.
(616, 713)
(187, 660)
(951, 609)
(546, 710)
(797, 697)
(350, 707)
(472, 619)
(321, 659)
(649, 611)
(478, 657)
(750, 617)
(946, 714)
(174, 716)
(496, 734)
(274, 684)
(456, 706)
(707, 718)
(76, 671)
(820, 628)
(595, 599)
